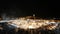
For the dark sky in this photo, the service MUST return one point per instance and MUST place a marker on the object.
(26, 8)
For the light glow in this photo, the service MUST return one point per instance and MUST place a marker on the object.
(26, 23)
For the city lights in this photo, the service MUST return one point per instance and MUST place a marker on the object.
(25, 23)
(32, 24)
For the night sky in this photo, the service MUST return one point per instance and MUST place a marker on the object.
(28, 8)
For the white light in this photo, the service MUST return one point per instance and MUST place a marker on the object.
(31, 27)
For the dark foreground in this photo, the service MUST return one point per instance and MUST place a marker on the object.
(7, 30)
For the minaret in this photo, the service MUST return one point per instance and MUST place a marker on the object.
(34, 12)
(34, 16)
